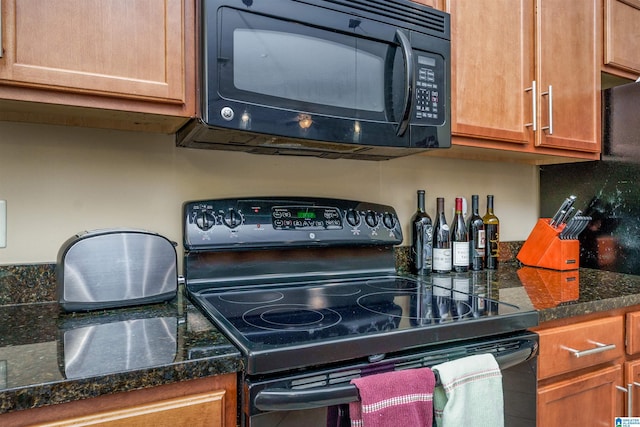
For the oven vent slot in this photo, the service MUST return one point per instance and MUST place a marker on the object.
(333, 378)
(420, 361)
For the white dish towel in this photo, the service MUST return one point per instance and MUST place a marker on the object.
(470, 393)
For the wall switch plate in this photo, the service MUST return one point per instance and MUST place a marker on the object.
(3, 223)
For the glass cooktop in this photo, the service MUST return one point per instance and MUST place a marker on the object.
(315, 322)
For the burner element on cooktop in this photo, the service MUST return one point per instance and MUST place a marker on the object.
(265, 297)
(291, 317)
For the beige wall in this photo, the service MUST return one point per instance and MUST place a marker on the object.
(58, 181)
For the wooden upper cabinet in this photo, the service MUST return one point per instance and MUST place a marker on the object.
(568, 51)
(492, 57)
(505, 56)
(123, 48)
(117, 64)
(622, 37)
(436, 4)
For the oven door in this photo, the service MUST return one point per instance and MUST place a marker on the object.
(314, 398)
(295, 69)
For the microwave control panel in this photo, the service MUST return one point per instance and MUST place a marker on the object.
(430, 89)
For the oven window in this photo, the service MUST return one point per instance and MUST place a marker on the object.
(316, 417)
(307, 69)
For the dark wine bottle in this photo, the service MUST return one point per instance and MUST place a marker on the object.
(492, 235)
(459, 240)
(475, 229)
(421, 239)
(441, 241)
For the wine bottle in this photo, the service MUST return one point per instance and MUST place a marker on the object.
(459, 240)
(475, 229)
(421, 239)
(492, 235)
(441, 241)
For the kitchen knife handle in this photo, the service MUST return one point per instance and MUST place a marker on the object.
(550, 98)
(534, 106)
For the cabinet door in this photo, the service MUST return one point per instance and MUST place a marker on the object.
(622, 34)
(632, 376)
(568, 50)
(587, 400)
(431, 3)
(492, 66)
(206, 409)
(122, 48)
(580, 345)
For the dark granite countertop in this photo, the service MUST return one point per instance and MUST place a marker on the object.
(49, 357)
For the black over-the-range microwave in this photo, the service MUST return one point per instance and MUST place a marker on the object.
(366, 79)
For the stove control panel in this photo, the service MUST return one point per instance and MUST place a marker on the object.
(294, 221)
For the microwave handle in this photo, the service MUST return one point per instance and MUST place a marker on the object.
(407, 53)
(283, 399)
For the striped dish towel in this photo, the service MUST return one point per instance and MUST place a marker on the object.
(400, 398)
(470, 393)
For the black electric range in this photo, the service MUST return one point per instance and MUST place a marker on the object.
(304, 282)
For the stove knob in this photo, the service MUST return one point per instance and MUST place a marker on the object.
(371, 219)
(232, 218)
(389, 220)
(353, 218)
(204, 221)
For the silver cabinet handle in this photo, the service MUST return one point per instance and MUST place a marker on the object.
(0, 28)
(534, 106)
(550, 98)
(599, 348)
(629, 391)
(630, 398)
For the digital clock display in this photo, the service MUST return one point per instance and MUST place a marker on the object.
(306, 215)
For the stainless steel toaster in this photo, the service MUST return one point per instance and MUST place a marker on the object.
(115, 268)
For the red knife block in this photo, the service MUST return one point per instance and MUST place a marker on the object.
(543, 248)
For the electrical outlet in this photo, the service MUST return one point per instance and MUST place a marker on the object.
(3, 223)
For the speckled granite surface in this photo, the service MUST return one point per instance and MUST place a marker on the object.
(37, 340)
(49, 357)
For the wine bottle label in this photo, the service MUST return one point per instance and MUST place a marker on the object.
(480, 242)
(461, 286)
(441, 259)
(427, 246)
(442, 285)
(460, 254)
(491, 249)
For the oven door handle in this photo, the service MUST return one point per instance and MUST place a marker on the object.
(282, 399)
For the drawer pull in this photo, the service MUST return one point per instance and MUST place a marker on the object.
(600, 348)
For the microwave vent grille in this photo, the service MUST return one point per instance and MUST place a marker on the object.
(422, 17)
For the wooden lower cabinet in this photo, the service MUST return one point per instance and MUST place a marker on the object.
(206, 409)
(207, 402)
(632, 378)
(591, 399)
(580, 370)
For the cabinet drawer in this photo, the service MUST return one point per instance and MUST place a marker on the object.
(633, 332)
(581, 345)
